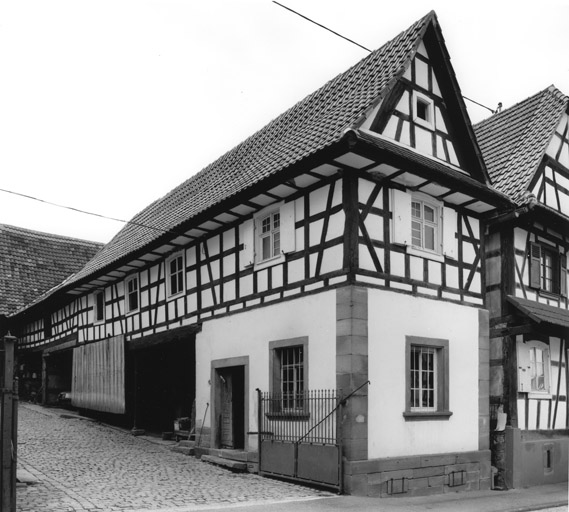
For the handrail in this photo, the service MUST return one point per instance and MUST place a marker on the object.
(340, 402)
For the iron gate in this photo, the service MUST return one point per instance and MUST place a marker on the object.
(300, 438)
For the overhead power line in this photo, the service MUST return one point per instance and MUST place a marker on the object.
(321, 26)
(134, 223)
(359, 45)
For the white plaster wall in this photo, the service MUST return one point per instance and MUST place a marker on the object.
(392, 317)
(248, 333)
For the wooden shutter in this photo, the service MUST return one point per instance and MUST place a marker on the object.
(524, 368)
(401, 210)
(535, 266)
(563, 274)
(288, 232)
(247, 237)
(450, 242)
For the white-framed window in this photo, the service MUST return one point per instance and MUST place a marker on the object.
(289, 374)
(131, 298)
(423, 110)
(269, 235)
(175, 274)
(272, 235)
(534, 368)
(426, 224)
(99, 306)
(427, 378)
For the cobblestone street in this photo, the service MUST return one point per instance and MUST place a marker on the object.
(84, 465)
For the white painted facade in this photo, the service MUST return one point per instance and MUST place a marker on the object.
(392, 317)
(249, 333)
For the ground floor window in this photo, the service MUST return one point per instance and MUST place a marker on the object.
(534, 367)
(289, 374)
(427, 386)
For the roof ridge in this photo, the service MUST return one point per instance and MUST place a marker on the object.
(431, 15)
(509, 109)
(44, 234)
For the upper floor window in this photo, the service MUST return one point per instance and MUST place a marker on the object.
(99, 306)
(423, 110)
(425, 225)
(548, 269)
(131, 294)
(175, 270)
(269, 236)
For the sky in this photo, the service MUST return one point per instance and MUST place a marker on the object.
(107, 105)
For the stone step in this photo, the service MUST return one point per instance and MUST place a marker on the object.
(186, 450)
(233, 465)
(239, 455)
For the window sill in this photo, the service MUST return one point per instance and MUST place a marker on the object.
(288, 416)
(415, 251)
(176, 295)
(539, 395)
(260, 265)
(427, 415)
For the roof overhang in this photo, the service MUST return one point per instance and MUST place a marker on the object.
(542, 314)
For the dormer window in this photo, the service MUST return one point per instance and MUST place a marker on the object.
(423, 110)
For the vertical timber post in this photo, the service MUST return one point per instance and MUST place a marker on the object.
(8, 428)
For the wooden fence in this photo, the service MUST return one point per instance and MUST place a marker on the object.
(8, 425)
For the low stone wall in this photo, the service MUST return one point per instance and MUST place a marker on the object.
(419, 475)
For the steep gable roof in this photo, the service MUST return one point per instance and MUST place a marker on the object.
(32, 262)
(514, 141)
(313, 124)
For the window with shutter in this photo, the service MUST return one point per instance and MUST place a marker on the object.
(547, 269)
(535, 265)
(274, 234)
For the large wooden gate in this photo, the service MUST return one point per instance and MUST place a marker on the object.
(303, 442)
(8, 425)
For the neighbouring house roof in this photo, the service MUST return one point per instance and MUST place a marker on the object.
(513, 142)
(32, 263)
(313, 124)
(541, 312)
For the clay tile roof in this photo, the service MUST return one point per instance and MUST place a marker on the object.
(314, 123)
(32, 262)
(513, 142)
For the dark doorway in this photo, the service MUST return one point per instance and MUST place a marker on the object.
(165, 384)
(58, 374)
(231, 407)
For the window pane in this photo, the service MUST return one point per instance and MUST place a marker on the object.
(416, 236)
(266, 225)
(266, 247)
(276, 220)
(429, 214)
(276, 243)
(429, 238)
(416, 209)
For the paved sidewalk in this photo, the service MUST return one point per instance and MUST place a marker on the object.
(68, 463)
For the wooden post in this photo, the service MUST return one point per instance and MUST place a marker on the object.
(8, 428)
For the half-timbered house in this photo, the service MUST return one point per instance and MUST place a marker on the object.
(338, 248)
(526, 149)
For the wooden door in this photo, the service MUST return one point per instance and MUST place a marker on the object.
(227, 438)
